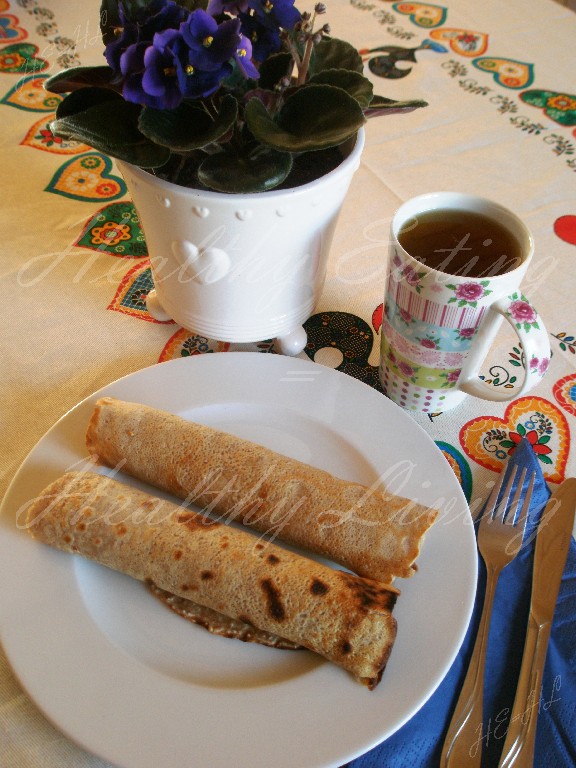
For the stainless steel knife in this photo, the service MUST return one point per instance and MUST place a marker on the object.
(552, 542)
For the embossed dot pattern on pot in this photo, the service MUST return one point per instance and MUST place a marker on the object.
(282, 212)
(244, 215)
(201, 211)
(164, 201)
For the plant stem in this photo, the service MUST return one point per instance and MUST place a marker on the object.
(303, 70)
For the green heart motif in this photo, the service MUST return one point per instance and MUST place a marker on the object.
(560, 107)
(116, 230)
(87, 177)
(21, 58)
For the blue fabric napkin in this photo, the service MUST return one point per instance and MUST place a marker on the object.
(419, 743)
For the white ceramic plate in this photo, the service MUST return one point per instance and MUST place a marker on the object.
(131, 682)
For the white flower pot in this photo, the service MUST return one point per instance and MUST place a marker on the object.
(240, 268)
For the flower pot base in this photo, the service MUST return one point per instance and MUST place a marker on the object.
(290, 343)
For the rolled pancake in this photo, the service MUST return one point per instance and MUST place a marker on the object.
(218, 623)
(373, 533)
(343, 617)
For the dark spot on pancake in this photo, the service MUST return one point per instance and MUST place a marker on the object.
(318, 587)
(206, 575)
(67, 538)
(370, 594)
(272, 559)
(81, 526)
(177, 554)
(184, 588)
(193, 521)
(121, 529)
(346, 647)
(275, 607)
(223, 545)
(258, 546)
(245, 619)
(97, 542)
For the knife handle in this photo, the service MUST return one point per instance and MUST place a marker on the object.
(463, 743)
(518, 751)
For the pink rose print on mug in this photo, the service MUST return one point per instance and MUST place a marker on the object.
(522, 312)
(539, 365)
(412, 277)
(468, 294)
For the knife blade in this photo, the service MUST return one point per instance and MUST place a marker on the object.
(551, 550)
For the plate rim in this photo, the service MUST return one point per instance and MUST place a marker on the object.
(249, 358)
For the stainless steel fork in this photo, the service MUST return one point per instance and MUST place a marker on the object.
(500, 536)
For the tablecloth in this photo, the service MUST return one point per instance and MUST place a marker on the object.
(74, 271)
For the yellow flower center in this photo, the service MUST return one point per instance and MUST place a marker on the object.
(189, 69)
(169, 71)
(241, 52)
(207, 42)
(268, 6)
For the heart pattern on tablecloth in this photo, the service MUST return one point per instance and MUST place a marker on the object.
(29, 94)
(565, 228)
(115, 229)
(489, 440)
(87, 178)
(459, 466)
(507, 72)
(40, 136)
(422, 14)
(464, 42)
(186, 344)
(20, 58)
(564, 390)
(560, 107)
(130, 296)
(10, 32)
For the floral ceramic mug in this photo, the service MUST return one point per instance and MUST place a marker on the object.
(437, 327)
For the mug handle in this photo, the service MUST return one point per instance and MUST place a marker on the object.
(528, 325)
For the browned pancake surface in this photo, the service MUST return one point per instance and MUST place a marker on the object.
(373, 533)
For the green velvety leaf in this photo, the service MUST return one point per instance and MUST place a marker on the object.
(258, 171)
(354, 83)
(83, 99)
(544, 459)
(113, 129)
(507, 444)
(521, 430)
(335, 54)
(272, 70)
(80, 77)
(189, 126)
(315, 117)
(380, 106)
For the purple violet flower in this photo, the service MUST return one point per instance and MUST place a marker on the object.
(161, 62)
(211, 44)
(243, 58)
(276, 13)
(132, 67)
(265, 40)
(141, 26)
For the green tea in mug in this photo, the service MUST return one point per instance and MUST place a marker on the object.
(461, 242)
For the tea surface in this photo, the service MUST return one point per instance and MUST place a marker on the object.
(461, 243)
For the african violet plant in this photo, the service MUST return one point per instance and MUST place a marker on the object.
(224, 96)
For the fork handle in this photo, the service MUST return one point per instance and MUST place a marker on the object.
(463, 742)
(518, 749)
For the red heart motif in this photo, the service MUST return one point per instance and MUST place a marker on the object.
(565, 228)
(564, 390)
(489, 440)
